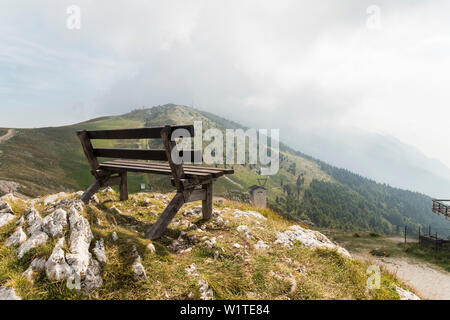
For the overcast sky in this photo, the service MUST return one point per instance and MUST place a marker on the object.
(269, 64)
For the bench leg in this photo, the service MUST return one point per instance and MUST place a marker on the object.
(90, 191)
(207, 203)
(123, 186)
(169, 212)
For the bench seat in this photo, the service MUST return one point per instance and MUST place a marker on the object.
(163, 168)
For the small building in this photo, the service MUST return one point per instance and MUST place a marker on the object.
(258, 196)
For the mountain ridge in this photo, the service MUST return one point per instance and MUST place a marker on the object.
(47, 160)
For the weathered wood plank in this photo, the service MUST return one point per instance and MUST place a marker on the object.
(88, 150)
(90, 191)
(207, 203)
(112, 181)
(169, 145)
(163, 166)
(199, 194)
(138, 133)
(140, 154)
(169, 212)
(150, 170)
(123, 186)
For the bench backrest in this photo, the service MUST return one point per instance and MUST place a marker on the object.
(164, 133)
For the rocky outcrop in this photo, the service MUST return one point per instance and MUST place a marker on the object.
(244, 229)
(405, 294)
(6, 213)
(80, 240)
(54, 223)
(192, 270)
(92, 279)
(37, 265)
(8, 187)
(18, 237)
(56, 266)
(51, 199)
(34, 221)
(260, 245)
(77, 263)
(38, 238)
(99, 251)
(310, 238)
(137, 267)
(8, 293)
(247, 214)
(206, 292)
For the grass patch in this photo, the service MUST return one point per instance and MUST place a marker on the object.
(437, 257)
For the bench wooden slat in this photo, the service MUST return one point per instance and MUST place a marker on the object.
(139, 133)
(157, 170)
(224, 170)
(143, 154)
(165, 165)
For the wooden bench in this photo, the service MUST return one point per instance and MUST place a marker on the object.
(191, 182)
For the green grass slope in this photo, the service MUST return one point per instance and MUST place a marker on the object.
(48, 160)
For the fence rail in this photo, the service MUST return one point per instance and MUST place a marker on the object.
(441, 208)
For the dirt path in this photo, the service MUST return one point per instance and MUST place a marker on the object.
(429, 282)
(8, 135)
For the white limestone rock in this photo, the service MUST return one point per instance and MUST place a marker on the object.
(5, 207)
(210, 242)
(138, 269)
(260, 245)
(54, 223)
(108, 190)
(20, 221)
(38, 238)
(5, 218)
(51, 199)
(192, 271)
(80, 240)
(206, 292)
(34, 221)
(9, 197)
(114, 236)
(113, 209)
(99, 251)
(8, 293)
(151, 248)
(95, 199)
(92, 279)
(244, 229)
(18, 237)
(405, 294)
(56, 266)
(310, 238)
(246, 214)
(37, 265)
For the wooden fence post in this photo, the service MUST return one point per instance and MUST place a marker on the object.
(405, 234)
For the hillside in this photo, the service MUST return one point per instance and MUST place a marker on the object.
(238, 254)
(47, 160)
